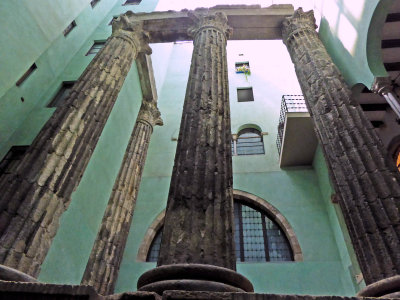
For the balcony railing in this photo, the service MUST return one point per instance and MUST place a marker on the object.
(290, 103)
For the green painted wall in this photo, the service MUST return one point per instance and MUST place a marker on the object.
(32, 33)
(338, 225)
(302, 194)
(69, 253)
(295, 191)
(352, 39)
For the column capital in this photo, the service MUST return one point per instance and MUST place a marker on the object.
(204, 19)
(132, 30)
(149, 113)
(382, 85)
(300, 20)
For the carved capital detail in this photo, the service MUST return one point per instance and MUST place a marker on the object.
(149, 113)
(127, 28)
(299, 21)
(382, 86)
(204, 19)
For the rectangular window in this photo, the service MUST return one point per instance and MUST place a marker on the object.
(245, 94)
(13, 156)
(26, 75)
(62, 94)
(132, 2)
(94, 2)
(69, 28)
(241, 67)
(97, 45)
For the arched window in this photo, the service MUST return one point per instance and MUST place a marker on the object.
(155, 246)
(257, 237)
(249, 142)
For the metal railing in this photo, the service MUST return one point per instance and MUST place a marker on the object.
(290, 103)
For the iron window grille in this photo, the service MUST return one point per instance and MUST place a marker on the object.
(154, 251)
(248, 142)
(257, 238)
(12, 158)
(62, 94)
(96, 47)
(69, 28)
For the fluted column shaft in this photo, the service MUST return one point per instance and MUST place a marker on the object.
(38, 192)
(106, 256)
(367, 184)
(198, 224)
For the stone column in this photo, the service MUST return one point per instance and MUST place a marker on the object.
(384, 87)
(34, 197)
(103, 265)
(197, 250)
(367, 184)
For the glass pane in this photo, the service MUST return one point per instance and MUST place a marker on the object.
(155, 247)
(237, 230)
(278, 246)
(253, 237)
(249, 143)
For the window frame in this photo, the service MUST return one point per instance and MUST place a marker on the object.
(93, 3)
(242, 259)
(16, 153)
(69, 28)
(93, 47)
(58, 98)
(137, 2)
(25, 76)
(236, 138)
(241, 98)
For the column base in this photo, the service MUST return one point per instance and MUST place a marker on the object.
(385, 288)
(10, 274)
(193, 277)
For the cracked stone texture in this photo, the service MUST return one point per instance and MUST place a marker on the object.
(199, 216)
(366, 180)
(34, 197)
(106, 256)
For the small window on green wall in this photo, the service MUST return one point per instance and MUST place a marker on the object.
(62, 94)
(12, 158)
(132, 2)
(245, 94)
(69, 28)
(249, 141)
(96, 47)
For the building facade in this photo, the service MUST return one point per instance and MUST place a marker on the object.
(85, 203)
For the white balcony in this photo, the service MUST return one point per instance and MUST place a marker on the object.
(296, 139)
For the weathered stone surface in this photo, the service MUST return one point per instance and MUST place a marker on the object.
(387, 288)
(30, 291)
(187, 295)
(367, 185)
(198, 229)
(249, 22)
(199, 220)
(34, 197)
(106, 256)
